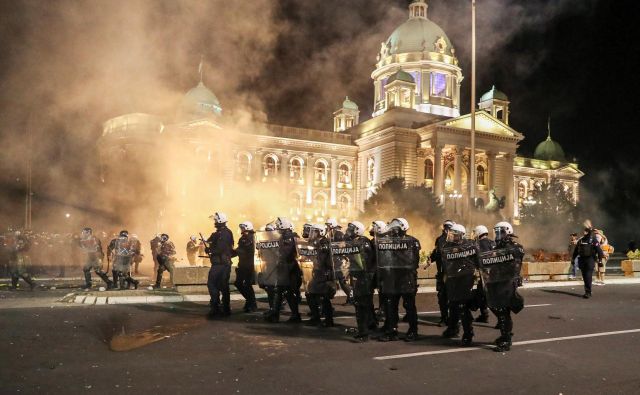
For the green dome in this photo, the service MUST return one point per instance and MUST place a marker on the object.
(401, 75)
(549, 150)
(418, 35)
(349, 104)
(494, 94)
(201, 101)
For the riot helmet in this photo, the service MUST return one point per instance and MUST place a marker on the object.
(377, 227)
(480, 231)
(86, 233)
(270, 227)
(219, 219)
(283, 224)
(446, 225)
(456, 234)
(246, 226)
(317, 231)
(398, 226)
(124, 233)
(193, 238)
(354, 229)
(332, 223)
(503, 230)
(164, 237)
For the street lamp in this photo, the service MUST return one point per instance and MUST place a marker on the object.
(455, 196)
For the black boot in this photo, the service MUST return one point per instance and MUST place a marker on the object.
(87, 279)
(158, 279)
(467, 339)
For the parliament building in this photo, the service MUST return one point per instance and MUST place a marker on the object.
(416, 132)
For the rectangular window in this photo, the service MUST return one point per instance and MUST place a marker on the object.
(438, 84)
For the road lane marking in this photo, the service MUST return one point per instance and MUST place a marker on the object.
(521, 343)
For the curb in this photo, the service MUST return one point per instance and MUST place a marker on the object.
(156, 299)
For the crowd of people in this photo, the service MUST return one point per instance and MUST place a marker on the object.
(473, 272)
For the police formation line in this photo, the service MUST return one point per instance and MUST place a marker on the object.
(387, 260)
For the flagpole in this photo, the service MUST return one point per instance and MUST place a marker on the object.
(472, 158)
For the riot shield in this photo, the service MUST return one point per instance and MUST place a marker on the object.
(354, 265)
(459, 265)
(397, 271)
(268, 256)
(318, 276)
(499, 270)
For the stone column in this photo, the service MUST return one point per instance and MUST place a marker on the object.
(309, 179)
(438, 176)
(457, 183)
(509, 186)
(334, 182)
(491, 170)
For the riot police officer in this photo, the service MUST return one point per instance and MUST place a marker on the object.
(18, 246)
(436, 256)
(398, 259)
(154, 244)
(587, 251)
(92, 247)
(166, 258)
(501, 285)
(484, 244)
(246, 270)
(362, 271)
(286, 271)
(220, 249)
(460, 260)
(321, 288)
(335, 234)
(120, 247)
(193, 248)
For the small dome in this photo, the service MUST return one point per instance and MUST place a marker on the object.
(201, 101)
(549, 150)
(401, 75)
(348, 104)
(494, 94)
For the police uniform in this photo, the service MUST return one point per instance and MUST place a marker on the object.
(92, 247)
(220, 251)
(587, 251)
(18, 246)
(166, 260)
(436, 256)
(246, 270)
(286, 273)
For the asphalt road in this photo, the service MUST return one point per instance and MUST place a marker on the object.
(173, 349)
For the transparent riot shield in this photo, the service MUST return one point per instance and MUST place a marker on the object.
(318, 276)
(499, 270)
(459, 265)
(355, 265)
(267, 257)
(396, 265)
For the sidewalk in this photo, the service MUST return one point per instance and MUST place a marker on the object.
(53, 295)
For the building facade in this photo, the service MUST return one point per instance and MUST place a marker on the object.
(415, 132)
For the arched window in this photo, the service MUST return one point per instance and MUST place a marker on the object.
(320, 205)
(371, 168)
(320, 173)
(344, 174)
(480, 180)
(270, 165)
(295, 169)
(428, 169)
(243, 166)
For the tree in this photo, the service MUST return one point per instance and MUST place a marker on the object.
(417, 204)
(549, 203)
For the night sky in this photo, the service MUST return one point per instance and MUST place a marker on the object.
(575, 61)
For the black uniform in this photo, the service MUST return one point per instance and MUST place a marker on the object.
(245, 270)
(337, 235)
(400, 283)
(587, 251)
(321, 288)
(220, 250)
(93, 249)
(484, 244)
(507, 298)
(287, 283)
(460, 263)
(362, 273)
(436, 256)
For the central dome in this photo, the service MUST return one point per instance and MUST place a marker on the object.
(419, 35)
(200, 101)
(549, 150)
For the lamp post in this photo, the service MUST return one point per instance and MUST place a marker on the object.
(455, 196)
(472, 158)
